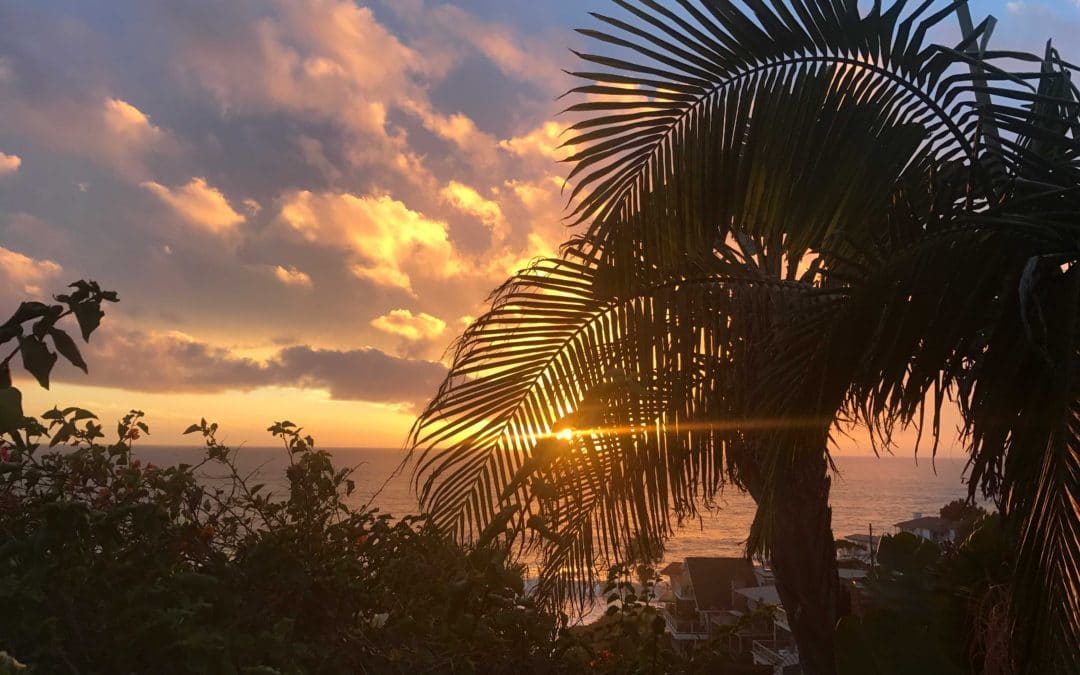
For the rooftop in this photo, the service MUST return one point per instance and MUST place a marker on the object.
(933, 524)
(767, 595)
(714, 578)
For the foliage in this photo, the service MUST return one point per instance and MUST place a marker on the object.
(29, 327)
(965, 514)
(109, 565)
(931, 610)
(629, 638)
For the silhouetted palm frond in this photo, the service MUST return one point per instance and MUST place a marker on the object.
(797, 212)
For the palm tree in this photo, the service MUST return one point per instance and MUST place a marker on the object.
(795, 215)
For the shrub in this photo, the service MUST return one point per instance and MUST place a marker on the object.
(107, 565)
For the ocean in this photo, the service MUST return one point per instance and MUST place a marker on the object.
(866, 491)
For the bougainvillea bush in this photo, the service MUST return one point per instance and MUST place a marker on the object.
(111, 566)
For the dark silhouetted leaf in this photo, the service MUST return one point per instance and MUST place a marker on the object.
(11, 410)
(67, 348)
(89, 316)
(37, 359)
(26, 312)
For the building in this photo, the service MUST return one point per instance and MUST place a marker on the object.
(708, 595)
(701, 596)
(934, 528)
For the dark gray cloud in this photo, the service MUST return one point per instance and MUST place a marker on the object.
(175, 363)
(359, 374)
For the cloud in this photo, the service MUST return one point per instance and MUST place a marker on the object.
(515, 54)
(173, 362)
(129, 123)
(404, 323)
(543, 141)
(9, 163)
(106, 130)
(360, 374)
(22, 275)
(199, 204)
(468, 200)
(460, 130)
(318, 60)
(290, 276)
(36, 237)
(388, 243)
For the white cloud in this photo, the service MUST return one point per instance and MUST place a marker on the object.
(9, 163)
(290, 276)
(199, 204)
(413, 327)
(20, 274)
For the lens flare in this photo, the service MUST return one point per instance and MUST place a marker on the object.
(565, 435)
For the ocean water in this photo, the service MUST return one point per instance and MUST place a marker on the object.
(866, 491)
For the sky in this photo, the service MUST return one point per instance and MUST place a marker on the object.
(300, 202)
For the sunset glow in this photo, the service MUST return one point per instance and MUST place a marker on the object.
(297, 209)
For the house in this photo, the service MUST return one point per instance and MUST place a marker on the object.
(934, 528)
(708, 594)
(768, 640)
(702, 595)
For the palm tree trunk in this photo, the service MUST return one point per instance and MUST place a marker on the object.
(804, 563)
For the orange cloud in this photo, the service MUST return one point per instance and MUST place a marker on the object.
(199, 204)
(9, 163)
(388, 242)
(129, 123)
(460, 130)
(543, 141)
(290, 276)
(109, 131)
(21, 274)
(468, 200)
(413, 327)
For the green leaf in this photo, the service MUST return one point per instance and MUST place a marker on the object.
(66, 346)
(37, 359)
(89, 316)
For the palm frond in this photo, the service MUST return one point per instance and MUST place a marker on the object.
(686, 70)
(648, 380)
(1026, 452)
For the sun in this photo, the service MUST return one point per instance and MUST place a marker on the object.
(565, 435)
